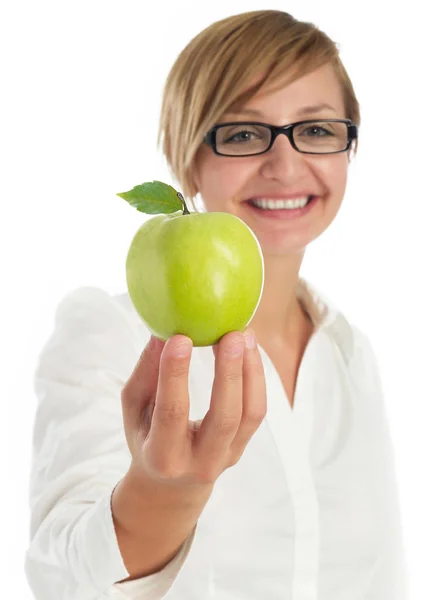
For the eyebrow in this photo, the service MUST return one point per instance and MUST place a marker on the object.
(306, 110)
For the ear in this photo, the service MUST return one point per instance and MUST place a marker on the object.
(195, 178)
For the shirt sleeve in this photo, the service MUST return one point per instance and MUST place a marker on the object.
(80, 454)
(389, 578)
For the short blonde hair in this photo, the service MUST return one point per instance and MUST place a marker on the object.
(214, 71)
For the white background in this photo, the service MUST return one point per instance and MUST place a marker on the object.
(82, 86)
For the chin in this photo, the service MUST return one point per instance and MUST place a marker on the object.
(283, 246)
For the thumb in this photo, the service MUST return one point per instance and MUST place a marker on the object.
(140, 389)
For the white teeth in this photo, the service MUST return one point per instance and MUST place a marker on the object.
(280, 204)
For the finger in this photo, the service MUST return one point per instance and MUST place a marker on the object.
(222, 420)
(141, 386)
(254, 396)
(171, 410)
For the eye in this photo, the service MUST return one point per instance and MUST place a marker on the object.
(321, 131)
(242, 135)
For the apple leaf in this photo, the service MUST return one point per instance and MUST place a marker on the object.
(154, 197)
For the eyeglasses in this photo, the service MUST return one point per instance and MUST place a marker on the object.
(315, 136)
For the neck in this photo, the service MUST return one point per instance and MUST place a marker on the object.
(280, 319)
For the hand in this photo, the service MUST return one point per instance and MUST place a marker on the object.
(168, 448)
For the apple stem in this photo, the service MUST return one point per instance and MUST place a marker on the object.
(185, 210)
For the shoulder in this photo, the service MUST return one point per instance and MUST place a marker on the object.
(96, 308)
(92, 324)
(357, 354)
(85, 301)
(352, 343)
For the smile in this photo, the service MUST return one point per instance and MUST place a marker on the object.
(282, 209)
(268, 204)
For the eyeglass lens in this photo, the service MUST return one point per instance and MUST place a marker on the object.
(321, 137)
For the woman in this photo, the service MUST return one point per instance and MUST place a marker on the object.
(281, 484)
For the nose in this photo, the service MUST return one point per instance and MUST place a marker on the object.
(282, 161)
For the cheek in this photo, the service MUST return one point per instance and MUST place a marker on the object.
(335, 177)
(222, 182)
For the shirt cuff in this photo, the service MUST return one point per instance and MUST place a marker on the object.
(98, 547)
(155, 586)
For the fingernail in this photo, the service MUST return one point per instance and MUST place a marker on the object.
(182, 350)
(250, 341)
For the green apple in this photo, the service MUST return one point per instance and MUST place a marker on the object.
(198, 274)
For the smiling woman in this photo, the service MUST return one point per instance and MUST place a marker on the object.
(259, 468)
(211, 78)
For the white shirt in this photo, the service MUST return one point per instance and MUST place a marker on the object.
(310, 512)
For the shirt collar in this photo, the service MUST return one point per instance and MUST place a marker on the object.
(326, 317)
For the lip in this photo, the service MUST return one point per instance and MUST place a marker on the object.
(284, 214)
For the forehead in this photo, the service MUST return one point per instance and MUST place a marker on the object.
(283, 100)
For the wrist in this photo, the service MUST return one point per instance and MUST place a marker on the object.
(136, 500)
(169, 493)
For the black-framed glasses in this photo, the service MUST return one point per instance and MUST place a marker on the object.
(314, 136)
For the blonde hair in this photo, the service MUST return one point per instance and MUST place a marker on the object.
(214, 71)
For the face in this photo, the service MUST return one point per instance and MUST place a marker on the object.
(227, 184)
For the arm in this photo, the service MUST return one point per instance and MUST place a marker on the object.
(80, 453)
(95, 394)
(152, 523)
(389, 579)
